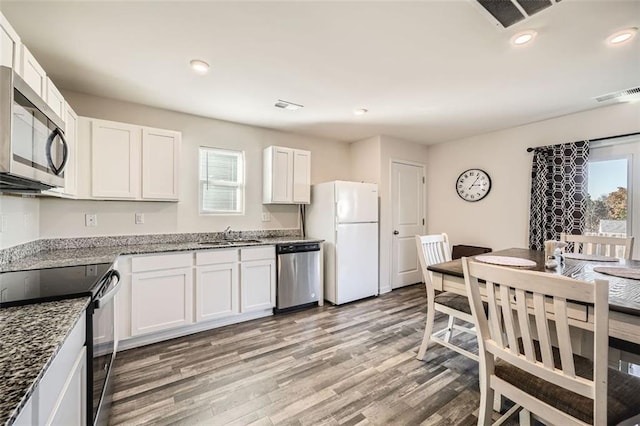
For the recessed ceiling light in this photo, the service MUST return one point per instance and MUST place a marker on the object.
(201, 67)
(523, 37)
(622, 36)
(287, 105)
(360, 111)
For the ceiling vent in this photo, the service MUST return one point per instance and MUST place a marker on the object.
(505, 13)
(287, 105)
(618, 95)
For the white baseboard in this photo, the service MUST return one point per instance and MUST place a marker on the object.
(384, 290)
(135, 342)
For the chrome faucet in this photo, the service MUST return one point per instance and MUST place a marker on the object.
(227, 233)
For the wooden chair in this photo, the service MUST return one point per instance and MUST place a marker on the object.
(434, 249)
(551, 382)
(603, 246)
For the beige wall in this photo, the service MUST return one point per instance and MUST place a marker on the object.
(501, 219)
(20, 220)
(65, 218)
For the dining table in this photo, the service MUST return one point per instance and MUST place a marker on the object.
(624, 293)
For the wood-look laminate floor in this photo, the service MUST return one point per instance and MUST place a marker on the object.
(350, 365)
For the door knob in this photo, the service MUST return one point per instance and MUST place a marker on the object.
(395, 232)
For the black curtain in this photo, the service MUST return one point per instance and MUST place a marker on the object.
(558, 192)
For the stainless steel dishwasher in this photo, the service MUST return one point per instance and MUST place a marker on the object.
(298, 283)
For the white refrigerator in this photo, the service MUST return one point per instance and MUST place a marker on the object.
(345, 215)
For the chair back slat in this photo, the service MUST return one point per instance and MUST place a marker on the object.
(542, 296)
(600, 245)
(542, 327)
(564, 338)
(525, 325)
(509, 323)
(495, 318)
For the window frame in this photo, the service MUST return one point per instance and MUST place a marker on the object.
(240, 185)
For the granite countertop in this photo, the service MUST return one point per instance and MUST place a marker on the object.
(29, 340)
(86, 256)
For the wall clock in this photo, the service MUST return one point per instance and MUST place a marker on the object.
(473, 185)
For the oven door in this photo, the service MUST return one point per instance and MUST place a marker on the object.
(99, 390)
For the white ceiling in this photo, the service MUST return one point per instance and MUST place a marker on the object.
(428, 71)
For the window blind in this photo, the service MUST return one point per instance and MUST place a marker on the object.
(221, 181)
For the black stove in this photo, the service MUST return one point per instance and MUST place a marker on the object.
(45, 285)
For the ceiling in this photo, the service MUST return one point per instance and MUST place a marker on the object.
(427, 71)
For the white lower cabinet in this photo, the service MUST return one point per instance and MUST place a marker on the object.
(74, 395)
(161, 300)
(59, 398)
(167, 295)
(257, 285)
(257, 278)
(217, 291)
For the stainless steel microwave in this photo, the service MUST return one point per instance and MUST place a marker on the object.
(33, 150)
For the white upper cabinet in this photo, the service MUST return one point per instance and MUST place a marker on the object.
(54, 99)
(301, 177)
(9, 45)
(160, 164)
(115, 160)
(286, 176)
(130, 162)
(32, 73)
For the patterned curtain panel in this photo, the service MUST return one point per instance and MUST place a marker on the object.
(558, 192)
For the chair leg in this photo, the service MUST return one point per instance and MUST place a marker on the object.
(486, 401)
(449, 333)
(427, 333)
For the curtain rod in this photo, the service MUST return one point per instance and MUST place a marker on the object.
(594, 140)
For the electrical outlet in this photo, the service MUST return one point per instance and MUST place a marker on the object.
(139, 218)
(90, 220)
(266, 217)
(3, 223)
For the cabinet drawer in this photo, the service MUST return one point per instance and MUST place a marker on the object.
(163, 261)
(213, 257)
(258, 253)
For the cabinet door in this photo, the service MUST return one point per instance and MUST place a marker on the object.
(54, 99)
(160, 164)
(115, 160)
(217, 291)
(71, 406)
(281, 175)
(161, 300)
(301, 176)
(258, 285)
(9, 45)
(32, 73)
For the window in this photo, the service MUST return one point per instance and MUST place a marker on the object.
(221, 181)
(608, 201)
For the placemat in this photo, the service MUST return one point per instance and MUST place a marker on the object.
(506, 261)
(592, 257)
(632, 273)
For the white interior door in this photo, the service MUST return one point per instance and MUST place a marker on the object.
(407, 211)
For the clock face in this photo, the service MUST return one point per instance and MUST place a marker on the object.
(473, 185)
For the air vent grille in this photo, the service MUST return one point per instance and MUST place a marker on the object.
(620, 94)
(510, 12)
